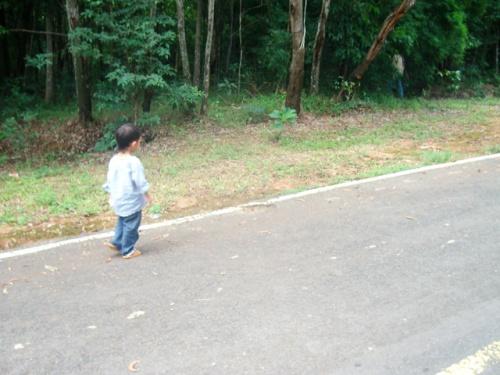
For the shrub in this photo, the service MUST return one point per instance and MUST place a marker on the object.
(254, 113)
(281, 118)
(183, 98)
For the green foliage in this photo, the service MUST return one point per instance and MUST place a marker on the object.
(134, 45)
(438, 42)
(346, 87)
(148, 120)
(183, 97)
(12, 135)
(227, 86)
(281, 118)
(107, 141)
(130, 49)
(452, 79)
(255, 113)
(39, 61)
(274, 55)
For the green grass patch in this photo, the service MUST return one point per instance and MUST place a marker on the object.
(495, 149)
(357, 139)
(436, 157)
(387, 169)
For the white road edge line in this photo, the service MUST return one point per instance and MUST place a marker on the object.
(228, 210)
(476, 363)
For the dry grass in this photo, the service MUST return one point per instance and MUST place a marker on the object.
(213, 167)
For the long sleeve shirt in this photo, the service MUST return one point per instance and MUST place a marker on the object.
(126, 184)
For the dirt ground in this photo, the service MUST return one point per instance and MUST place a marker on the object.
(306, 169)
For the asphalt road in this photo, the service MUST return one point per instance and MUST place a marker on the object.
(400, 276)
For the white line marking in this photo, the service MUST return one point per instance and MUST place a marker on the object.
(228, 210)
(476, 363)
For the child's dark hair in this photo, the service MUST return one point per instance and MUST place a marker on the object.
(126, 134)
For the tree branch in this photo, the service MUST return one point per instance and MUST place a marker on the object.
(37, 32)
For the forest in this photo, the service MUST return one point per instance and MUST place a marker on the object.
(98, 53)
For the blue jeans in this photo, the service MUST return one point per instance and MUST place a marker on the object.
(396, 85)
(127, 232)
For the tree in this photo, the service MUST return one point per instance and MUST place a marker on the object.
(319, 42)
(230, 44)
(50, 64)
(186, 72)
(208, 49)
(134, 47)
(197, 46)
(149, 91)
(296, 74)
(4, 48)
(388, 25)
(80, 64)
(240, 35)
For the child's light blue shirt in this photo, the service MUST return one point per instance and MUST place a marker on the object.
(126, 184)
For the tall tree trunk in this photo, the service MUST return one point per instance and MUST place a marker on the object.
(21, 42)
(4, 51)
(240, 34)
(296, 74)
(149, 92)
(197, 46)
(49, 68)
(230, 44)
(82, 77)
(496, 57)
(384, 32)
(217, 42)
(319, 42)
(186, 71)
(208, 50)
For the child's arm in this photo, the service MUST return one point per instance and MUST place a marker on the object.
(106, 186)
(139, 179)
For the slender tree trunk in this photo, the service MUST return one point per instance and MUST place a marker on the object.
(49, 69)
(230, 44)
(21, 42)
(82, 77)
(149, 92)
(208, 50)
(240, 33)
(296, 74)
(29, 52)
(496, 57)
(197, 46)
(319, 42)
(388, 25)
(217, 42)
(4, 51)
(186, 70)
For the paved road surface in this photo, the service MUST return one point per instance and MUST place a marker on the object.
(400, 276)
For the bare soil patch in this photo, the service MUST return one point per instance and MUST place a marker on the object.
(210, 168)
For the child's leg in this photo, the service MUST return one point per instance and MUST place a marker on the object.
(117, 238)
(401, 92)
(130, 232)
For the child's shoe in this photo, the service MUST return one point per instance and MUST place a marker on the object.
(134, 253)
(111, 246)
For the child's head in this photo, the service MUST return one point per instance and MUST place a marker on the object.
(127, 135)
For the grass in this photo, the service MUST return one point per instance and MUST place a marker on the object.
(228, 159)
(436, 157)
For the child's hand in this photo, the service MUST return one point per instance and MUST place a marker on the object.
(148, 197)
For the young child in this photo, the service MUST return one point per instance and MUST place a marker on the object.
(128, 191)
